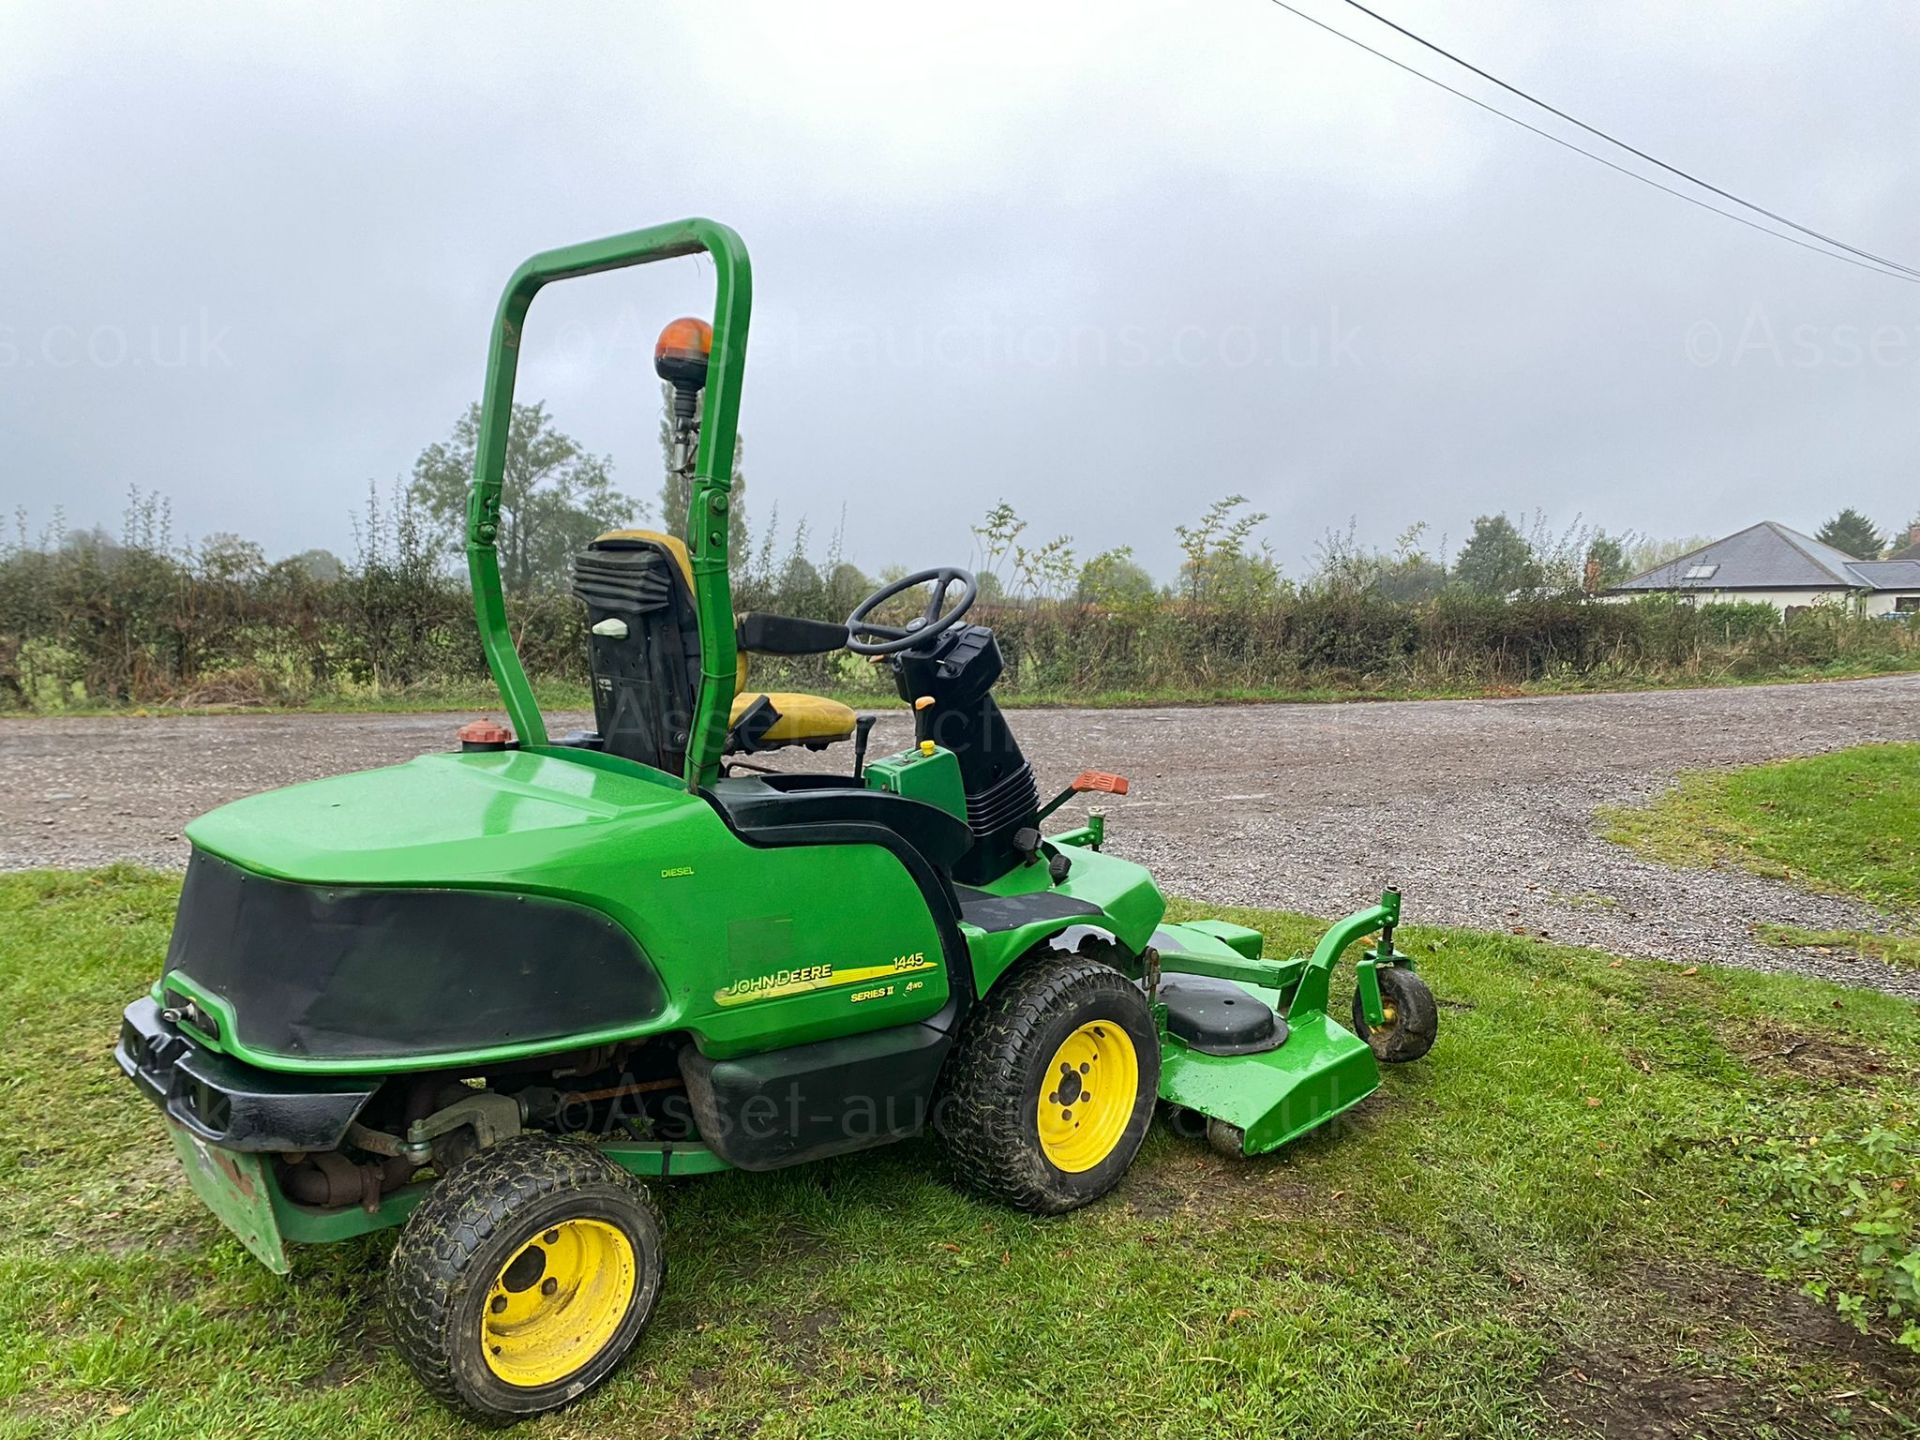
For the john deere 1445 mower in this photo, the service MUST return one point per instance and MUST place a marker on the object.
(479, 995)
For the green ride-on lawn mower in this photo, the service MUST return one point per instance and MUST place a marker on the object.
(478, 994)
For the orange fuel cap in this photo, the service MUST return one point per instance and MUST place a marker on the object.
(484, 735)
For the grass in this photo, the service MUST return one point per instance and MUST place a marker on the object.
(1845, 824)
(1536, 1227)
(1894, 949)
(553, 695)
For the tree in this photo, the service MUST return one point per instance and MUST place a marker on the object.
(1852, 533)
(1115, 580)
(847, 586)
(1496, 560)
(321, 566)
(997, 536)
(1046, 571)
(1606, 563)
(1644, 553)
(226, 558)
(1407, 575)
(1237, 580)
(800, 589)
(554, 496)
(1216, 560)
(1411, 578)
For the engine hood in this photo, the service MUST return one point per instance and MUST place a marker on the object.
(457, 905)
(482, 819)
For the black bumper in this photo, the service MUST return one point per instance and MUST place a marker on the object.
(227, 1103)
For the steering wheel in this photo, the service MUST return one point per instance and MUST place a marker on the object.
(931, 622)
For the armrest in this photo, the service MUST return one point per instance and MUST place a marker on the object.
(784, 635)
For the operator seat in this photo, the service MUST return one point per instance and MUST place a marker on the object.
(645, 657)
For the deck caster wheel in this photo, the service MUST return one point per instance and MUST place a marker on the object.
(1225, 1139)
(1410, 1019)
(524, 1278)
(1185, 1123)
(1050, 1088)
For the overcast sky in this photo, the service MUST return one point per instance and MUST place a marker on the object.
(1105, 262)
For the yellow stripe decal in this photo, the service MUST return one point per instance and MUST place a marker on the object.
(809, 978)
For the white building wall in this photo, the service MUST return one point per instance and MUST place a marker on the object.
(1875, 602)
(1781, 600)
(1884, 602)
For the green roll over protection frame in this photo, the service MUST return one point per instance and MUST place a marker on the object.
(707, 530)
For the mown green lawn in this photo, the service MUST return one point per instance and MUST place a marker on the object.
(1847, 823)
(1560, 1219)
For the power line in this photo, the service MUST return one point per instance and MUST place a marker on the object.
(1630, 149)
(1578, 150)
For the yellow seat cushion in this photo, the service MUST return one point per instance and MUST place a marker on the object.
(804, 719)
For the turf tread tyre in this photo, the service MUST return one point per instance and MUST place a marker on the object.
(1416, 1020)
(463, 1230)
(984, 1116)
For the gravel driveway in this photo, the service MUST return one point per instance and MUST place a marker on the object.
(1481, 810)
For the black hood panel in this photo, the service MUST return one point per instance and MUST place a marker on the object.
(361, 972)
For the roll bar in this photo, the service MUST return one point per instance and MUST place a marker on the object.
(707, 514)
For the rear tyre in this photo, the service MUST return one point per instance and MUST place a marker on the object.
(1050, 1089)
(1411, 1019)
(524, 1278)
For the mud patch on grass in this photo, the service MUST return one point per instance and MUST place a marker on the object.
(1715, 1353)
(360, 1344)
(1627, 1395)
(1698, 1300)
(1770, 1047)
(1194, 1185)
(803, 1337)
(1191, 1181)
(791, 1249)
(794, 1329)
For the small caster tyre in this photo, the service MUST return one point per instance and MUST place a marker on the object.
(1050, 1088)
(1225, 1139)
(524, 1278)
(1411, 1018)
(1184, 1123)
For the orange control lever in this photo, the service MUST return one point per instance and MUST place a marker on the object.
(1087, 780)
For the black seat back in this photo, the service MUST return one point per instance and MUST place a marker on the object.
(644, 678)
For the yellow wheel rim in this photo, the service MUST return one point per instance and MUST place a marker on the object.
(557, 1302)
(1087, 1095)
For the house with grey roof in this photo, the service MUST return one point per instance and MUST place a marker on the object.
(1770, 562)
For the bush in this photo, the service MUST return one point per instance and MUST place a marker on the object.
(85, 620)
(1855, 1200)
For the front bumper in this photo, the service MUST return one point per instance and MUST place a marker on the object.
(229, 1104)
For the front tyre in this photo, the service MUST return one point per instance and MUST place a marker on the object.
(523, 1279)
(1409, 1017)
(1051, 1086)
